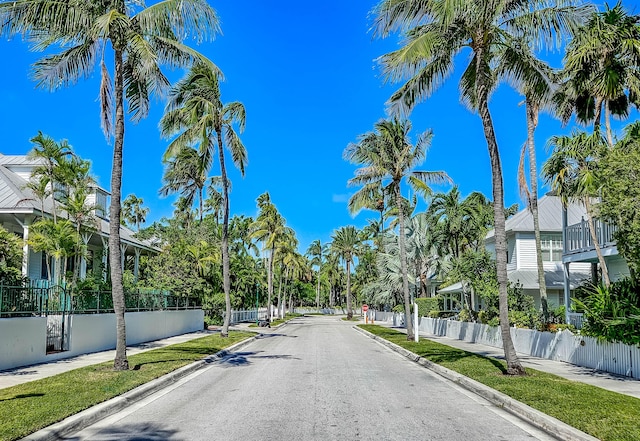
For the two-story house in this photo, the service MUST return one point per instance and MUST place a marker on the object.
(521, 250)
(19, 208)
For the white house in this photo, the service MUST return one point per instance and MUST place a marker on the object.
(521, 250)
(19, 208)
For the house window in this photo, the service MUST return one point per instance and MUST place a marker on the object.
(551, 245)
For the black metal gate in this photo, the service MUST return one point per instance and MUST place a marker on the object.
(57, 305)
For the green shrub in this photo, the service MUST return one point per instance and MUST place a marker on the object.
(426, 305)
(613, 313)
(464, 315)
(434, 313)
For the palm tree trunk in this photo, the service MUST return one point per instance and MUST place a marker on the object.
(532, 123)
(403, 264)
(270, 282)
(596, 243)
(120, 363)
(607, 124)
(349, 309)
(280, 292)
(226, 280)
(514, 367)
(318, 290)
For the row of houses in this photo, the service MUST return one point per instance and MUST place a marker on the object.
(568, 253)
(19, 208)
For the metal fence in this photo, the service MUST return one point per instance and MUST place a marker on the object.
(30, 301)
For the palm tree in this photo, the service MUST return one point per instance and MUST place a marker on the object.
(142, 38)
(55, 239)
(388, 158)
(346, 244)
(186, 173)
(196, 111)
(77, 182)
(52, 155)
(437, 31)
(571, 172)
(534, 79)
(601, 74)
(133, 212)
(269, 228)
(315, 252)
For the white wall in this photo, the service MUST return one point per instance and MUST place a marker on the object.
(23, 340)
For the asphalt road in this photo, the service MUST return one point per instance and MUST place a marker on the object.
(314, 379)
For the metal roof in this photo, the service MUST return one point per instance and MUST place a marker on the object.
(15, 197)
(553, 279)
(549, 216)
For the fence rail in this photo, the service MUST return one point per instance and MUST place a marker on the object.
(30, 301)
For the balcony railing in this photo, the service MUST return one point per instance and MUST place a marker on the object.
(578, 236)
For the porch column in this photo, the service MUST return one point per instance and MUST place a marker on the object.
(83, 259)
(25, 249)
(565, 266)
(123, 249)
(136, 263)
(567, 292)
(105, 253)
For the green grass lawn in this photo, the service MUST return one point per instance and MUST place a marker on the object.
(28, 407)
(601, 413)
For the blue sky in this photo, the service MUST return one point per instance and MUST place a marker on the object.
(307, 76)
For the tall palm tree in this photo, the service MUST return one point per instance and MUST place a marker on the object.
(315, 252)
(142, 38)
(387, 158)
(535, 80)
(435, 32)
(600, 75)
(571, 170)
(196, 112)
(346, 244)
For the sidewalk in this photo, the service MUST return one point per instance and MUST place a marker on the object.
(624, 385)
(25, 374)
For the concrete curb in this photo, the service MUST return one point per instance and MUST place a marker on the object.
(87, 417)
(541, 420)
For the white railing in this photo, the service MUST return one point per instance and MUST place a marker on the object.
(578, 236)
(247, 316)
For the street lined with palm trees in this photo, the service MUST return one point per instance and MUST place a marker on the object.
(314, 379)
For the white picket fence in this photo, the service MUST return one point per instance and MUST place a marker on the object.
(615, 358)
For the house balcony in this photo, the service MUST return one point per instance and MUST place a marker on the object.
(578, 244)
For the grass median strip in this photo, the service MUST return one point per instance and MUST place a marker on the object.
(607, 415)
(28, 407)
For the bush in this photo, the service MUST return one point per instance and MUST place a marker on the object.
(434, 313)
(426, 305)
(613, 313)
(464, 315)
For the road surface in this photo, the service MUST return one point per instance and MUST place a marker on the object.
(314, 379)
